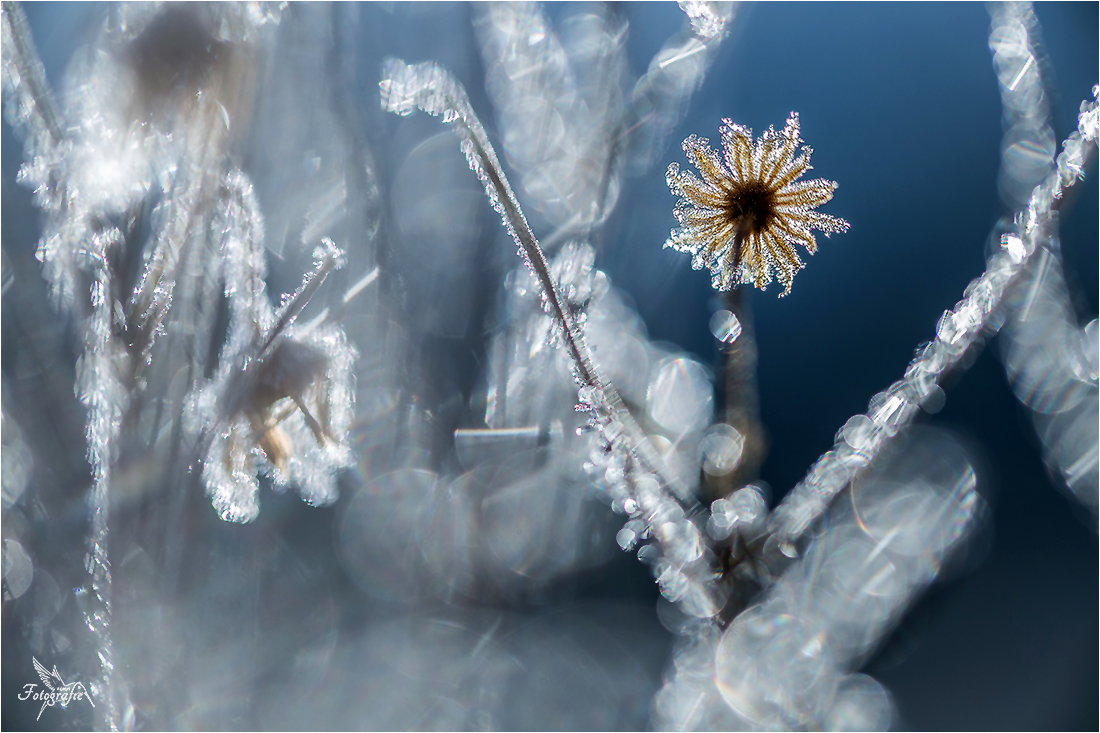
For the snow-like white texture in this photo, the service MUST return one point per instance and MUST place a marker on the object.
(111, 168)
(659, 497)
(281, 401)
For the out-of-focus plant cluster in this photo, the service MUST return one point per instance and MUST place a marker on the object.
(260, 271)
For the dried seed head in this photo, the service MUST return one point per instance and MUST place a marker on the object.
(744, 217)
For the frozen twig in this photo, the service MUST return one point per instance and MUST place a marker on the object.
(660, 506)
(864, 436)
(106, 398)
(32, 111)
(433, 90)
(26, 74)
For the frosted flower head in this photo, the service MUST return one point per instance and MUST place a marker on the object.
(291, 422)
(743, 219)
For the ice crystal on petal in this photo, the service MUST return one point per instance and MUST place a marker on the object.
(743, 218)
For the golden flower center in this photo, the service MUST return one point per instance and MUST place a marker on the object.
(753, 202)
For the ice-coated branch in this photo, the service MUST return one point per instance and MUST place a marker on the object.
(32, 106)
(660, 506)
(31, 110)
(864, 436)
(326, 259)
(1050, 361)
(151, 300)
(106, 397)
(435, 91)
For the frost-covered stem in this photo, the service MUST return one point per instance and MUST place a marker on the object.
(250, 361)
(152, 298)
(433, 90)
(328, 260)
(537, 259)
(30, 70)
(33, 112)
(864, 437)
(106, 400)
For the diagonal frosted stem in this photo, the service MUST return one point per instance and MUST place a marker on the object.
(865, 436)
(429, 87)
(327, 261)
(31, 74)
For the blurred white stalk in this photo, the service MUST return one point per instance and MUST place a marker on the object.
(1051, 361)
(29, 106)
(658, 498)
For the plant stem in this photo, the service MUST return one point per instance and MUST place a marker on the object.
(742, 397)
(434, 90)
